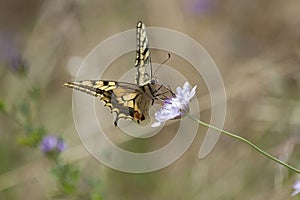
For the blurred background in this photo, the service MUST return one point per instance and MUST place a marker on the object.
(256, 46)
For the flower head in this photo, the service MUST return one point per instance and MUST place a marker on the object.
(200, 6)
(51, 143)
(176, 106)
(296, 187)
(10, 54)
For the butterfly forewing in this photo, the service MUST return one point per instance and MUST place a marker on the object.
(142, 60)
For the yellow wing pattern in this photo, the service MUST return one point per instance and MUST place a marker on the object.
(128, 101)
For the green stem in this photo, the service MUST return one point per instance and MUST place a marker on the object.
(247, 142)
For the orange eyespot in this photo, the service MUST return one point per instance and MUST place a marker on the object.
(138, 116)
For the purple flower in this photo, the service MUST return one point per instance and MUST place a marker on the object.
(177, 106)
(51, 143)
(10, 54)
(199, 6)
(296, 187)
(60, 145)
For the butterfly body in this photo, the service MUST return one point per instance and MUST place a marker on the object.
(129, 100)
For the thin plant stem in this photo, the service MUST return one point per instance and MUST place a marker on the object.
(247, 142)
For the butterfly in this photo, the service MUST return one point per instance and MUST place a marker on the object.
(129, 100)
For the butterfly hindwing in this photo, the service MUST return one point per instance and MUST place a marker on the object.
(128, 101)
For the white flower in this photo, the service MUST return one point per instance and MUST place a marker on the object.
(296, 187)
(175, 107)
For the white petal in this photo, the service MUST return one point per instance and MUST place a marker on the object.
(178, 91)
(296, 186)
(295, 192)
(193, 91)
(186, 86)
(156, 124)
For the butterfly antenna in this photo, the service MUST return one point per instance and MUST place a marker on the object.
(169, 56)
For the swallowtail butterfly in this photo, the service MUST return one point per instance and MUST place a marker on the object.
(129, 100)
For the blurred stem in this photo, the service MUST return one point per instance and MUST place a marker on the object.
(245, 141)
(57, 161)
(13, 116)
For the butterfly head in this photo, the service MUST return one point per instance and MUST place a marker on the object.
(154, 80)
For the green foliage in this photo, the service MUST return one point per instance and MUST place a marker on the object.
(33, 138)
(34, 93)
(96, 190)
(2, 106)
(67, 176)
(22, 114)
